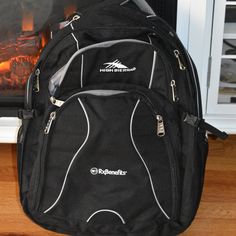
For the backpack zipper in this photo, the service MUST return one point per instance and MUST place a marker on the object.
(56, 102)
(160, 126)
(52, 117)
(37, 72)
(59, 103)
(36, 86)
(75, 18)
(175, 97)
(177, 55)
(189, 62)
(169, 74)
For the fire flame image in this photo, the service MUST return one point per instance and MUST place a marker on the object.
(18, 57)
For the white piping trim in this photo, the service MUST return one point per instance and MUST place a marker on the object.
(151, 16)
(27, 90)
(72, 161)
(82, 70)
(150, 40)
(96, 92)
(153, 69)
(77, 42)
(106, 210)
(144, 163)
(72, 27)
(123, 3)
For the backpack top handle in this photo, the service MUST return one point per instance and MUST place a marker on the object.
(143, 6)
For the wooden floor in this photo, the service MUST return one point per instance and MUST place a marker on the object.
(216, 216)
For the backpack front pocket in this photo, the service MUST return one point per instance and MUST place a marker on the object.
(106, 159)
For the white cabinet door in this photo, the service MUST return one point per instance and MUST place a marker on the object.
(222, 89)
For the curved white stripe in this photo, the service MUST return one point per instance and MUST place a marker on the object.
(149, 38)
(76, 40)
(76, 154)
(82, 70)
(123, 3)
(27, 91)
(144, 163)
(153, 69)
(106, 210)
(151, 16)
(72, 27)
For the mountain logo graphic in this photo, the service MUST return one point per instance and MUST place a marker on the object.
(116, 67)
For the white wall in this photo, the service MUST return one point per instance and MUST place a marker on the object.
(194, 29)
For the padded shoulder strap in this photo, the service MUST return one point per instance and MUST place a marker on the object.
(143, 6)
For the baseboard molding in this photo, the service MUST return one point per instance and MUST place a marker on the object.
(225, 123)
(8, 129)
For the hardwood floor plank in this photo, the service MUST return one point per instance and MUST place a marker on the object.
(216, 215)
(217, 210)
(212, 227)
(220, 186)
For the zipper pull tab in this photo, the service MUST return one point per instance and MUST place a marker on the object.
(160, 126)
(177, 55)
(56, 102)
(75, 17)
(174, 91)
(49, 124)
(37, 74)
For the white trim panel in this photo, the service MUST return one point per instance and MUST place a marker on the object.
(8, 129)
(183, 16)
(213, 106)
(76, 40)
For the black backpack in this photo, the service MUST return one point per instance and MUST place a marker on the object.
(112, 140)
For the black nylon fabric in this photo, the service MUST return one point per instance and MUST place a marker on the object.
(140, 136)
(107, 152)
(57, 188)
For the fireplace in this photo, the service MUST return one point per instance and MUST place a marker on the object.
(17, 59)
(26, 28)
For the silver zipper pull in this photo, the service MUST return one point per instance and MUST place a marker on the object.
(56, 102)
(177, 55)
(37, 74)
(49, 124)
(160, 126)
(174, 92)
(75, 17)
